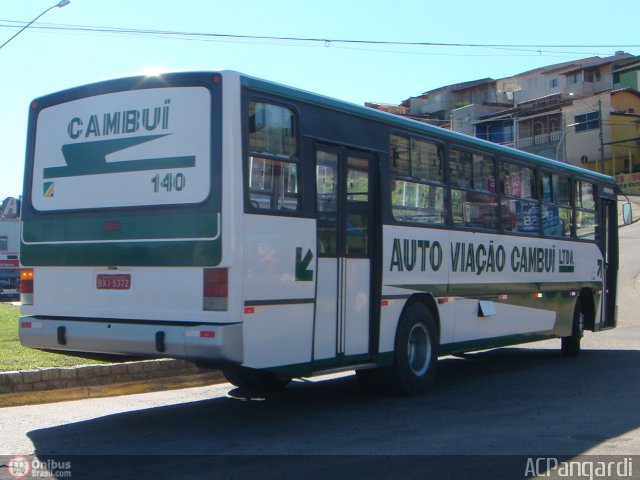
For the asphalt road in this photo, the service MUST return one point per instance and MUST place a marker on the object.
(499, 407)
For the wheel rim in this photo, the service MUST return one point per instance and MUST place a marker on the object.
(580, 324)
(419, 349)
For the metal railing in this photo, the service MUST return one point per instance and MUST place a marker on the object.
(540, 139)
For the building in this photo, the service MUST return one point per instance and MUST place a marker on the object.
(436, 106)
(625, 131)
(583, 112)
(9, 246)
(626, 73)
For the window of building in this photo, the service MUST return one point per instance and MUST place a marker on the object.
(575, 78)
(587, 121)
(554, 83)
(4, 243)
(556, 208)
(538, 128)
(417, 183)
(592, 76)
(473, 199)
(273, 166)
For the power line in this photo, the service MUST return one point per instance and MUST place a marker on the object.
(327, 42)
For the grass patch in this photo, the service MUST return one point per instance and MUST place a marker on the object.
(14, 356)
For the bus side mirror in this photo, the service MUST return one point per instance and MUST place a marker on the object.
(627, 216)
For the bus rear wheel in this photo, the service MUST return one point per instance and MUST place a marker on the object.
(416, 352)
(252, 379)
(570, 346)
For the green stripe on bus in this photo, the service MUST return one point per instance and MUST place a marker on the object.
(148, 225)
(134, 254)
(496, 342)
(385, 359)
(488, 289)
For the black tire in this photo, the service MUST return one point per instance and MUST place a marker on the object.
(570, 346)
(257, 380)
(416, 352)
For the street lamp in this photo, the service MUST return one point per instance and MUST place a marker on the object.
(60, 4)
(562, 138)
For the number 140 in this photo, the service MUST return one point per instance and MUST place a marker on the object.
(169, 182)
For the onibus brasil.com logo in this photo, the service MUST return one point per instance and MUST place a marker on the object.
(578, 469)
(23, 467)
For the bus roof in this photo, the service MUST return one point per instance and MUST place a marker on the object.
(419, 127)
(297, 94)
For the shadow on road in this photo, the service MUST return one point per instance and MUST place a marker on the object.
(513, 401)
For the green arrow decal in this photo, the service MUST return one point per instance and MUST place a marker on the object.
(90, 158)
(303, 274)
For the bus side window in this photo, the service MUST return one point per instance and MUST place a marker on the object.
(474, 202)
(586, 215)
(327, 199)
(273, 166)
(557, 215)
(273, 184)
(417, 182)
(520, 209)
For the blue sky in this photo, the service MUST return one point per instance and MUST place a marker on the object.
(41, 61)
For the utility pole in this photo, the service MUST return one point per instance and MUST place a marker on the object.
(601, 169)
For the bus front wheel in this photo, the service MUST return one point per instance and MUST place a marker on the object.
(416, 352)
(570, 346)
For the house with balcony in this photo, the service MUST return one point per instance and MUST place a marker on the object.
(626, 74)
(560, 111)
(625, 132)
(584, 112)
(436, 106)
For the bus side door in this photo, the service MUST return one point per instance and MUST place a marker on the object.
(344, 180)
(609, 247)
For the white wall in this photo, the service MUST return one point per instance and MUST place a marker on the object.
(11, 229)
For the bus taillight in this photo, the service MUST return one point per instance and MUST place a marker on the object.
(216, 289)
(26, 286)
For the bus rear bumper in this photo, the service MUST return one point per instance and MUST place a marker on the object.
(212, 342)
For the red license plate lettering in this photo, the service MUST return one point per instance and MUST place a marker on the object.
(120, 281)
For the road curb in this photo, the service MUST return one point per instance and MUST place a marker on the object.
(48, 385)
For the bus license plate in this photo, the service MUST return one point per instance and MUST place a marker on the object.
(120, 281)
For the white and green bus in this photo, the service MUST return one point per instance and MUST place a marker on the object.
(276, 233)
